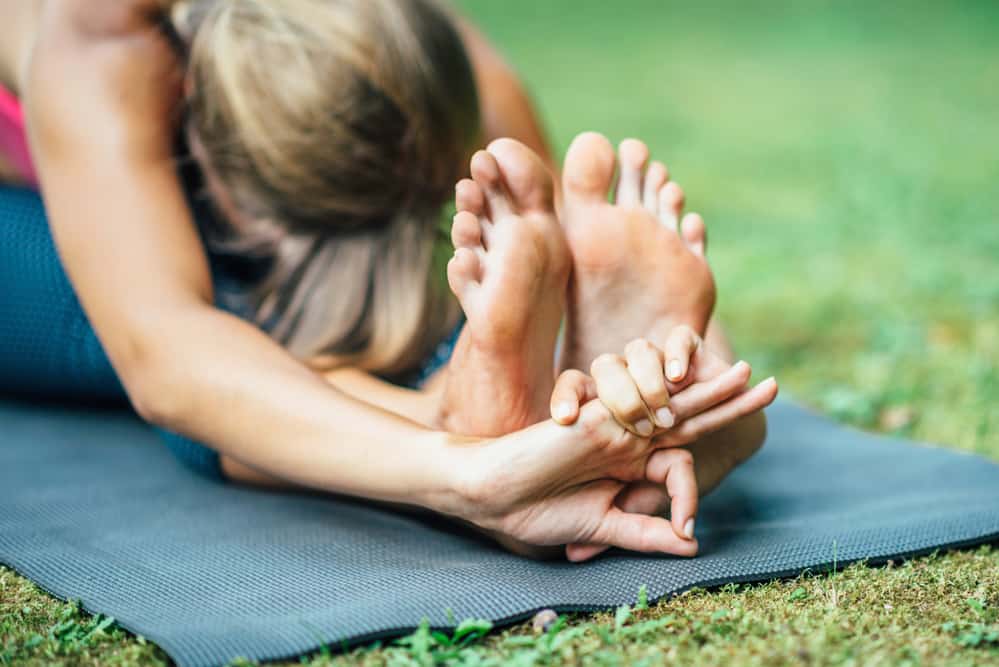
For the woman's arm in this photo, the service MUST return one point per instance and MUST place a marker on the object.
(99, 98)
(99, 103)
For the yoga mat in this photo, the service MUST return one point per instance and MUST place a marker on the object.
(93, 507)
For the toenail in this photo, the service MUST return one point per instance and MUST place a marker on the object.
(665, 417)
(674, 370)
(644, 427)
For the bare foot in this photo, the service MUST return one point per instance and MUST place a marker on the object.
(509, 271)
(638, 269)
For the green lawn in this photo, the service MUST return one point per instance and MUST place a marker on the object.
(846, 159)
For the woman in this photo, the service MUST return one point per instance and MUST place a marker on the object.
(329, 135)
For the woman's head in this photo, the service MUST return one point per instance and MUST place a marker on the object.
(333, 132)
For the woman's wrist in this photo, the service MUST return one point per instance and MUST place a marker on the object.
(448, 467)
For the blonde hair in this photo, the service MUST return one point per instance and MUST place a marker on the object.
(337, 129)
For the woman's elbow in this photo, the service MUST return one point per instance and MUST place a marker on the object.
(153, 399)
(151, 383)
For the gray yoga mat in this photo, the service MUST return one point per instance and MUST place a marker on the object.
(93, 507)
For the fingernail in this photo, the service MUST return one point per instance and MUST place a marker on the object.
(674, 370)
(688, 528)
(665, 417)
(644, 427)
(563, 411)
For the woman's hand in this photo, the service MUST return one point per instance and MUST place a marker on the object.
(678, 393)
(554, 485)
(637, 390)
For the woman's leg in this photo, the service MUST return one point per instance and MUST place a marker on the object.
(47, 347)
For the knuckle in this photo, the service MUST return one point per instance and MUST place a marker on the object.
(656, 395)
(593, 418)
(682, 457)
(569, 379)
(603, 361)
(686, 334)
(638, 346)
(603, 534)
(630, 409)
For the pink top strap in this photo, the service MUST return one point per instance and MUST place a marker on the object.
(14, 137)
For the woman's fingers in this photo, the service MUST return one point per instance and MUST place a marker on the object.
(636, 498)
(680, 346)
(745, 403)
(617, 391)
(702, 396)
(645, 364)
(674, 469)
(638, 532)
(670, 475)
(572, 389)
(577, 553)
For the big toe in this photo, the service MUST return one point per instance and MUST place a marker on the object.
(588, 168)
(527, 178)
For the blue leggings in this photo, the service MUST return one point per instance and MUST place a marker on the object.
(48, 348)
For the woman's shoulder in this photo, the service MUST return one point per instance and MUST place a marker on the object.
(65, 30)
(98, 57)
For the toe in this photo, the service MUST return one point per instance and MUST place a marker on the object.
(588, 168)
(633, 156)
(468, 197)
(486, 173)
(655, 179)
(526, 177)
(694, 232)
(670, 205)
(463, 271)
(465, 231)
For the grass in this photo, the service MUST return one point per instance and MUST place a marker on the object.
(845, 156)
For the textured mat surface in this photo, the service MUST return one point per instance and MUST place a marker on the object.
(93, 507)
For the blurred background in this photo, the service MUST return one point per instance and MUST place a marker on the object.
(845, 156)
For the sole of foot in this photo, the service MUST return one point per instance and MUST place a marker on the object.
(509, 272)
(639, 264)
